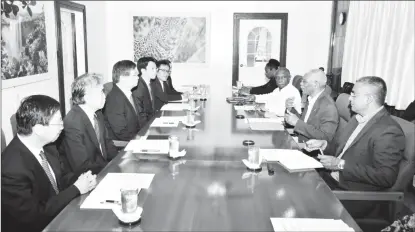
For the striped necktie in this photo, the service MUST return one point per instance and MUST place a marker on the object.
(98, 133)
(45, 165)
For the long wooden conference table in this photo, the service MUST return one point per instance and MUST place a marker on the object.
(210, 189)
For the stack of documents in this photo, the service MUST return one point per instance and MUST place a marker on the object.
(309, 224)
(166, 122)
(175, 107)
(245, 107)
(270, 125)
(152, 146)
(107, 194)
(292, 160)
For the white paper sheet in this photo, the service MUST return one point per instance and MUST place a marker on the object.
(309, 224)
(293, 160)
(166, 122)
(266, 126)
(245, 107)
(152, 146)
(175, 107)
(271, 120)
(110, 186)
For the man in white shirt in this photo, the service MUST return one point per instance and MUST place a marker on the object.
(275, 102)
(34, 187)
(85, 141)
(320, 118)
(366, 154)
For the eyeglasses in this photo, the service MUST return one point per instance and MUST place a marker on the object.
(164, 70)
(352, 95)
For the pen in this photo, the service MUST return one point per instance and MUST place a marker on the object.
(110, 201)
(150, 150)
(168, 122)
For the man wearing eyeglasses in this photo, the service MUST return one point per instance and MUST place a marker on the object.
(366, 154)
(34, 187)
(162, 90)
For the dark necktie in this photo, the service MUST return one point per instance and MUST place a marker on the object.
(166, 86)
(98, 133)
(45, 165)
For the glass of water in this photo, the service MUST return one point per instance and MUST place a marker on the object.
(129, 199)
(254, 156)
(239, 84)
(190, 117)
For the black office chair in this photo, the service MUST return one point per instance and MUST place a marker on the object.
(347, 87)
(3, 141)
(394, 196)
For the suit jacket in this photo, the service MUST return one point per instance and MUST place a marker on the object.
(266, 88)
(322, 122)
(171, 89)
(372, 159)
(162, 95)
(28, 201)
(121, 119)
(80, 144)
(144, 104)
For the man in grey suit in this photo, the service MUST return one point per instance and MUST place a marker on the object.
(365, 156)
(320, 118)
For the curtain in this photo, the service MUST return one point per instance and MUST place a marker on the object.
(380, 42)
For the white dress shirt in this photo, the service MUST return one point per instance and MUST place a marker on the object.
(311, 101)
(161, 83)
(275, 101)
(36, 153)
(149, 89)
(362, 123)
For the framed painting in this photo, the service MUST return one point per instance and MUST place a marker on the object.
(26, 42)
(181, 38)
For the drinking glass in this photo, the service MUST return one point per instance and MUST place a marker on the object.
(254, 156)
(190, 117)
(129, 199)
(174, 144)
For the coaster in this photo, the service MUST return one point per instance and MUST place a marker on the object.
(129, 224)
(239, 116)
(190, 126)
(248, 143)
(203, 99)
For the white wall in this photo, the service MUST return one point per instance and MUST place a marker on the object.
(307, 46)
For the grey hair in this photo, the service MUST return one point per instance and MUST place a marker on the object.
(319, 76)
(378, 85)
(79, 85)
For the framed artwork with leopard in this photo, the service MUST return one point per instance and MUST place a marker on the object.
(180, 38)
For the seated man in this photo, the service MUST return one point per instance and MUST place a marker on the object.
(162, 90)
(320, 118)
(85, 140)
(365, 156)
(169, 81)
(143, 93)
(276, 102)
(120, 113)
(33, 187)
(270, 70)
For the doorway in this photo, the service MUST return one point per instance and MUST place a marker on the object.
(72, 47)
(257, 37)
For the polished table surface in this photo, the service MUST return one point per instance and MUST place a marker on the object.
(210, 189)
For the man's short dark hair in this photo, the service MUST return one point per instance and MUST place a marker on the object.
(35, 109)
(122, 68)
(380, 87)
(273, 64)
(321, 68)
(163, 62)
(142, 63)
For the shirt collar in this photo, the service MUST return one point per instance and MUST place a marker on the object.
(366, 118)
(35, 150)
(88, 111)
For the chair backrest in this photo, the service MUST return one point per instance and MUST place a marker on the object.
(345, 113)
(107, 87)
(297, 81)
(3, 141)
(407, 165)
(347, 87)
(13, 122)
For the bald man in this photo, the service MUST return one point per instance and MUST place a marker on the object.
(320, 117)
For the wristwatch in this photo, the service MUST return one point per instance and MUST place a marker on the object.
(340, 166)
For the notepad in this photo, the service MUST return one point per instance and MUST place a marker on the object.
(175, 107)
(152, 146)
(109, 189)
(292, 160)
(309, 224)
(245, 107)
(266, 126)
(166, 122)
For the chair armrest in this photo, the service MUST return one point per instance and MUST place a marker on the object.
(368, 196)
(119, 143)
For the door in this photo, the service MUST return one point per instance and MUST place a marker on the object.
(258, 37)
(72, 55)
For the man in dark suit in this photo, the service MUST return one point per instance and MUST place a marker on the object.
(320, 118)
(270, 72)
(365, 156)
(143, 93)
(169, 81)
(120, 111)
(85, 141)
(34, 189)
(162, 90)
